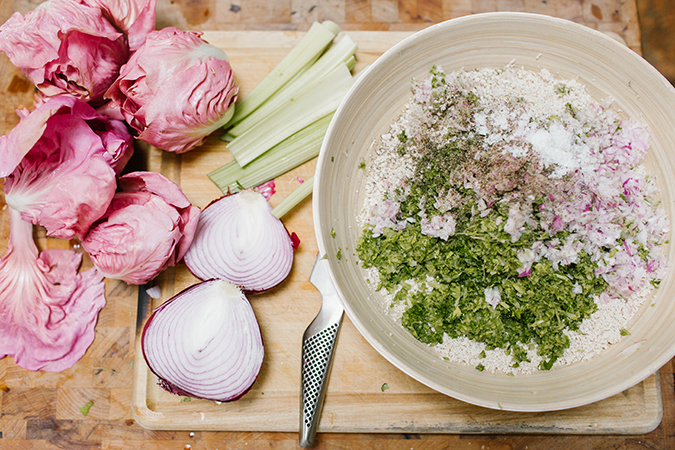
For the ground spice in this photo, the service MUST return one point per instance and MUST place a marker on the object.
(508, 219)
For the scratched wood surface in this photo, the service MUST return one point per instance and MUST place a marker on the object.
(355, 401)
(42, 410)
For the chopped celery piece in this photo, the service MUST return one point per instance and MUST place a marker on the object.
(323, 98)
(295, 197)
(227, 137)
(315, 41)
(283, 157)
(351, 63)
(339, 52)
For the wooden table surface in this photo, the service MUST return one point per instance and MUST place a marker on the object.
(41, 410)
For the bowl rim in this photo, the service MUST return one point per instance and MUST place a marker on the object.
(394, 359)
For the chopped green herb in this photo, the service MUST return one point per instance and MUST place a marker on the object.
(338, 255)
(86, 407)
(625, 332)
(535, 309)
(332, 232)
(385, 386)
(480, 255)
(470, 241)
(185, 399)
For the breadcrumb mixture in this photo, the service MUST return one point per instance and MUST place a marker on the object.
(521, 159)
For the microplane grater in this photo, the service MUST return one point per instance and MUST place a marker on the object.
(318, 346)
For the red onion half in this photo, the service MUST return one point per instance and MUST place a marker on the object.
(205, 342)
(239, 240)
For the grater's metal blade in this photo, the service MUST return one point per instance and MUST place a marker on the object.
(318, 345)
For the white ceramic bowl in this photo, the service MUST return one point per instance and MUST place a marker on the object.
(569, 50)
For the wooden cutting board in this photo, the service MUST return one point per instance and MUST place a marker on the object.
(366, 393)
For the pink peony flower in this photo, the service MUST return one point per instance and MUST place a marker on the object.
(175, 90)
(61, 161)
(148, 227)
(65, 47)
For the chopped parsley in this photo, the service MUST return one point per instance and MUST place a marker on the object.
(479, 256)
(86, 407)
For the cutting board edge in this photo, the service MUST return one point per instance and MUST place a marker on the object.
(158, 420)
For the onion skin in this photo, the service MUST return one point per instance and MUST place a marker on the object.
(240, 241)
(211, 326)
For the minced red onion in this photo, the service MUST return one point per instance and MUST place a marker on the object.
(239, 240)
(205, 342)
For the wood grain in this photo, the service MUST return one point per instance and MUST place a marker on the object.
(355, 400)
(41, 410)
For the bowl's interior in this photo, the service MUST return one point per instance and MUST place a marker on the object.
(569, 50)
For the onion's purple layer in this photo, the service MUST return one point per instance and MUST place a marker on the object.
(172, 388)
(294, 239)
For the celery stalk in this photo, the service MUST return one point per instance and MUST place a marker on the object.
(323, 98)
(295, 197)
(351, 63)
(339, 52)
(287, 155)
(315, 41)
